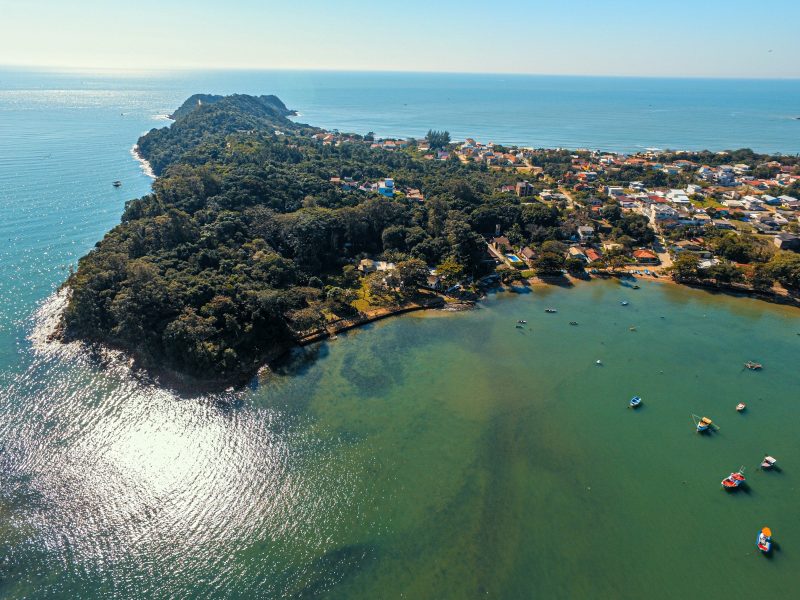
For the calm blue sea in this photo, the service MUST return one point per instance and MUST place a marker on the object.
(98, 473)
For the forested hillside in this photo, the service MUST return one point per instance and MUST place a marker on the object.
(246, 241)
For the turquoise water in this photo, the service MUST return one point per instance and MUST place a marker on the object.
(435, 456)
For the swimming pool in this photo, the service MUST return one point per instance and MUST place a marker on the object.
(513, 258)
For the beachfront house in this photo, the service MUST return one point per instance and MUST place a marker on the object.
(643, 256)
(577, 252)
(528, 255)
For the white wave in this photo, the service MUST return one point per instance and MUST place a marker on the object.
(146, 168)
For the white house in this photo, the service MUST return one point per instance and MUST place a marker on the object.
(678, 197)
(585, 232)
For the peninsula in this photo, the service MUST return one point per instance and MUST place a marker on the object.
(262, 232)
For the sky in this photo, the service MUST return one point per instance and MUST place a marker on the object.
(680, 38)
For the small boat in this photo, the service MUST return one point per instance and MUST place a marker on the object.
(598, 362)
(753, 366)
(551, 310)
(522, 322)
(635, 402)
(764, 540)
(117, 183)
(573, 322)
(624, 302)
(704, 424)
(635, 287)
(740, 407)
(768, 462)
(632, 328)
(734, 480)
(519, 327)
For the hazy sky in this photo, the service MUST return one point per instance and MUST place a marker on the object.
(721, 38)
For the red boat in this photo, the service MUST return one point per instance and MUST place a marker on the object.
(734, 480)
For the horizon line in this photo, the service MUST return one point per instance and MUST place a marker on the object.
(197, 69)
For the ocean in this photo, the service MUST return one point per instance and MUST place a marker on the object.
(446, 456)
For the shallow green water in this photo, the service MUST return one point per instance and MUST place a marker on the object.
(428, 456)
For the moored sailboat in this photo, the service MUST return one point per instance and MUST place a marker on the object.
(703, 424)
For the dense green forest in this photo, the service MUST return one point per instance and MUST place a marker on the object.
(245, 242)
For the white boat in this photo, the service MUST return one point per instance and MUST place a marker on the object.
(635, 402)
(768, 462)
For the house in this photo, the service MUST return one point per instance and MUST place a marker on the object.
(585, 232)
(693, 189)
(752, 203)
(690, 246)
(787, 241)
(643, 256)
(678, 197)
(771, 200)
(577, 252)
(614, 191)
(592, 255)
(367, 265)
(414, 194)
(524, 189)
(501, 244)
(528, 255)
(434, 281)
(661, 214)
(386, 188)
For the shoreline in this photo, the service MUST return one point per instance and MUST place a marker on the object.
(47, 336)
(728, 289)
(144, 164)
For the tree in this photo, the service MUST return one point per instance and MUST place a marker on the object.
(636, 226)
(549, 263)
(450, 271)
(762, 278)
(509, 276)
(576, 266)
(734, 247)
(394, 238)
(785, 266)
(723, 273)
(615, 258)
(411, 273)
(437, 139)
(611, 212)
(685, 267)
